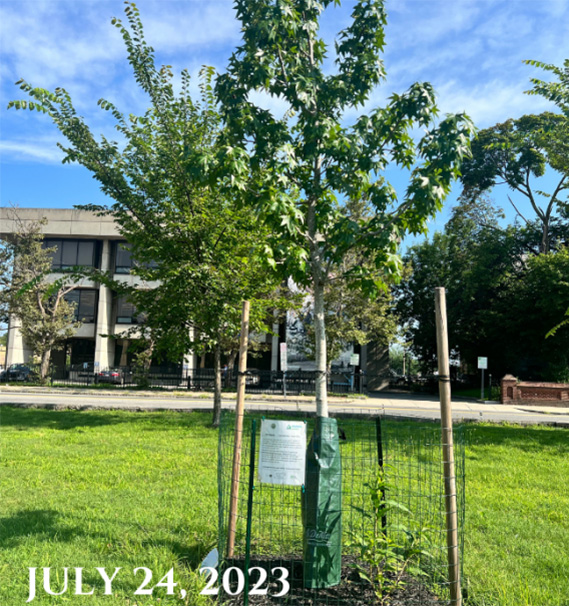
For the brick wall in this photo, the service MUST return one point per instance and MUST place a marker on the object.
(546, 394)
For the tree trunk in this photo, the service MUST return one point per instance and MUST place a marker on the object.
(44, 366)
(544, 248)
(320, 337)
(217, 386)
(231, 367)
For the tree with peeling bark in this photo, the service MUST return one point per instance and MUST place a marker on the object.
(46, 319)
(310, 163)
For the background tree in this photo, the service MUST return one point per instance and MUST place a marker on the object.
(502, 297)
(198, 254)
(556, 91)
(352, 316)
(312, 163)
(46, 319)
(516, 152)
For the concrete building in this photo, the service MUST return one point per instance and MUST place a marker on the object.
(82, 238)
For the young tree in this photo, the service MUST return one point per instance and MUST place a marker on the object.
(198, 253)
(46, 319)
(311, 163)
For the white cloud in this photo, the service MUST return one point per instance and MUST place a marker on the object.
(42, 152)
(185, 25)
(490, 102)
(50, 48)
(276, 105)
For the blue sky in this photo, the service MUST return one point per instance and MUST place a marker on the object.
(471, 51)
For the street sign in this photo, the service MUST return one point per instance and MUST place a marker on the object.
(284, 366)
(282, 455)
(355, 360)
(482, 363)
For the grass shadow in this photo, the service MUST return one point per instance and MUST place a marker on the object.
(534, 438)
(22, 525)
(21, 417)
(35, 418)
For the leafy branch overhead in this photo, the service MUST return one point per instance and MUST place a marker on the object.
(556, 91)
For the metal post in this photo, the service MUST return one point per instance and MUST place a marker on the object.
(448, 448)
(250, 510)
(482, 386)
(489, 386)
(379, 439)
(284, 383)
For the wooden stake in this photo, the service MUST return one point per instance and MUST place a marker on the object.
(448, 449)
(241, 382)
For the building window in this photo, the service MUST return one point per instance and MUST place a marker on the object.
(70, 253)
(85, 301)
(124, 261)
(126, 312)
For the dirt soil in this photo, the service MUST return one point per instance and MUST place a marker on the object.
(352, 590)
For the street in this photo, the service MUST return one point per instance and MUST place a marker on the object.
(415, 406)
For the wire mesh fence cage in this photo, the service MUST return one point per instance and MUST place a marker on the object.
(393, 533)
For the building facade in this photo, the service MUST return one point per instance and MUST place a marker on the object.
(81, 238)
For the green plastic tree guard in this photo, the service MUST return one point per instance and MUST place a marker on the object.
(322, 507)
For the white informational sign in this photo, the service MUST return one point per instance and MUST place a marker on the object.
(355, 360)
(282, 455)
(482, 363)
(284, 366)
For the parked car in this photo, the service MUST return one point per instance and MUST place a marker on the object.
(113, 376)
(18, 372)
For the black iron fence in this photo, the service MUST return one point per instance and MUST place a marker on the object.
(197, 379)
(341, 381)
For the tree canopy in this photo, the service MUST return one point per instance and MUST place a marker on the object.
(198, 252)
(556, 91)
(502, 296)
(310, 162)
(516, 152)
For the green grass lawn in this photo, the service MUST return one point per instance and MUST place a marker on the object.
(105, 489)
(121, 489)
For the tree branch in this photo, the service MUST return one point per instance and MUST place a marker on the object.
(516, 209)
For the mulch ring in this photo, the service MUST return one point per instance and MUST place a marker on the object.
(352, 590)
